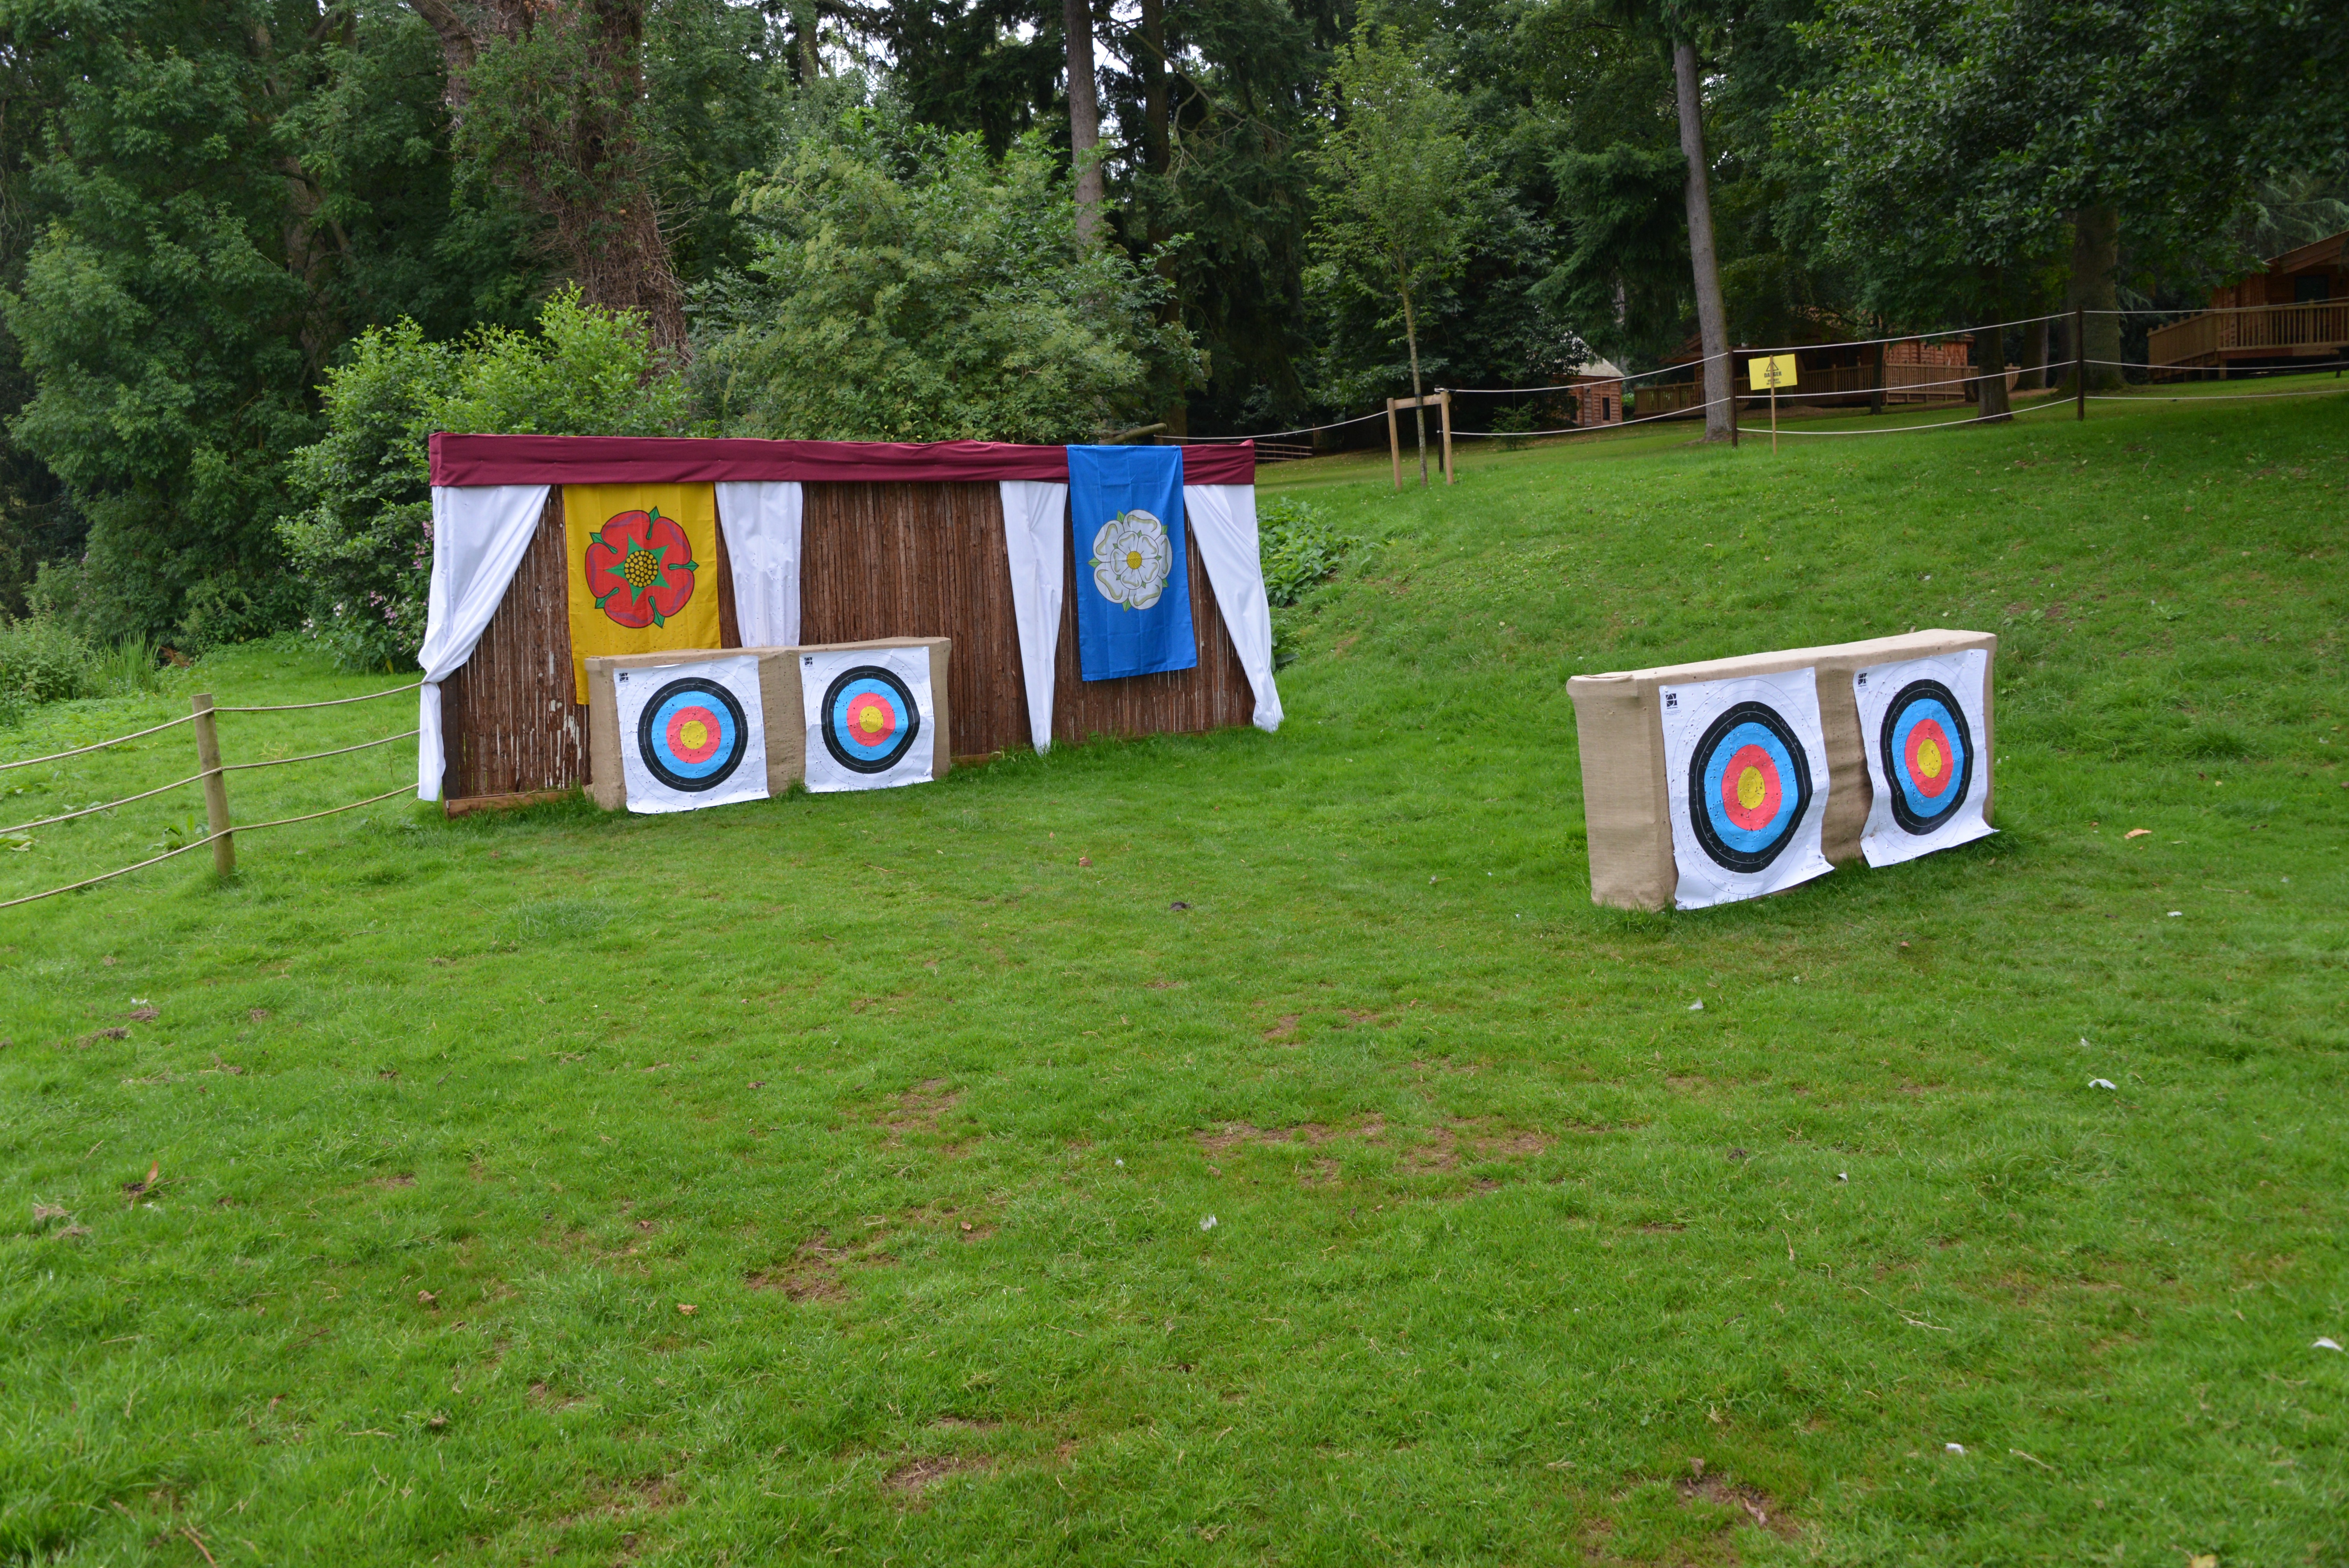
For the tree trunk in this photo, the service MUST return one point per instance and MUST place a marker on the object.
(1157, 138)
(1989, 385)
(1084, 115)
(1419, 409)
(575, 158)
(1712, 321)
(2034, 357)
(807, 22)
(1158, 157)
(1876, 383)
(2096, 262)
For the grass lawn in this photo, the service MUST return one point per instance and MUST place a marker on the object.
(913, 1176)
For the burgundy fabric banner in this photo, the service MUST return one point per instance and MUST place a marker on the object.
(469, 460)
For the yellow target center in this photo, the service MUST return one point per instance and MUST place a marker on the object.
(870, 721)
(694, 733)
(1751, 788)
(1134, 560)
(1929, 759)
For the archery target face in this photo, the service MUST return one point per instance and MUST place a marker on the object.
(1746, 773)
(869, 718)
(1922, 723)
(691, 734)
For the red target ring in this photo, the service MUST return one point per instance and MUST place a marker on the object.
(1750, 788)
(1930, 760)
(871, 720)
(694, 734)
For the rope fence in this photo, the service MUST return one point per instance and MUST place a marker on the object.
(2050, 372)
(212, 773)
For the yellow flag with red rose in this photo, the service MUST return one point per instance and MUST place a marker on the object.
(643, 570)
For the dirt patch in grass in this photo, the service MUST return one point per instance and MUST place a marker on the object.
(917, 1109)
(1236, 1134)
(1744, 1503)
(1474, 1139)
(915, 1476)
(618, 1499)
(813, 1274)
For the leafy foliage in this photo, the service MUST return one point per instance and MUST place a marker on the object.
(908, 287)
(1300, 546)
(361, 542)
(214, 192)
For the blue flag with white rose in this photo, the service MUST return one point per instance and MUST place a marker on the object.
(1134, 576)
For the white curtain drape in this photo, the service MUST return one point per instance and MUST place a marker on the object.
(1223, 519)
(762, 548)
(1035, 535)
(479, 534)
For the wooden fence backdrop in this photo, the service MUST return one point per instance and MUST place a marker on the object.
(894, 559)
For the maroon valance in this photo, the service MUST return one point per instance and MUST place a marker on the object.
(694, 460)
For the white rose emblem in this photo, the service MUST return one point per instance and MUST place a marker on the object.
(1132, 556)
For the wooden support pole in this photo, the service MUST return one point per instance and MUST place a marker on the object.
(1394, 444)
(1443, 403)
(208, 759)
(2080, 358)
(1773, 415)
(1733, 403)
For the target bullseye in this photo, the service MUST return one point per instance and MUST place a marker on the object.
(1749, 785)
(870, 719)
(692, 735)
(1928, 754)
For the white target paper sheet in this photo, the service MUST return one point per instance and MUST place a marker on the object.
(1921, 724)
(869, 719)
(1745, 769)
(691, 734)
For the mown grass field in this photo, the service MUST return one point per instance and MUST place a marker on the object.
(909, 1177)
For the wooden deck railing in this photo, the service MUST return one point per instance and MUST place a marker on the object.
(2321, 325)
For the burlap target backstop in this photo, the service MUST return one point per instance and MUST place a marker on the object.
(1625, 802)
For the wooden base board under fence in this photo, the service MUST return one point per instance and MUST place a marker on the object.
(472, 803)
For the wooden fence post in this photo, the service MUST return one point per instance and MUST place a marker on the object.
(215, 785)
(1394, 446)
(1443, 403)
(1732, 402)
(2080, 358)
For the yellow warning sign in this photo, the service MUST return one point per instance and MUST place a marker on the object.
(1771, 372)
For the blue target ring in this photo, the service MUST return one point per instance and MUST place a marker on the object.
(870, 720)
(1749, 786)
(1928, 754)
(692, 734)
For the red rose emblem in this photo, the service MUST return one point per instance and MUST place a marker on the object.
(640, 568)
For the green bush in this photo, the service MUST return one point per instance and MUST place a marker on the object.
(1299, 547)
(909, 287)
(363, 542)
(42, 659)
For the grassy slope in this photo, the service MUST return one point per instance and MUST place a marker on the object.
(923, 1115)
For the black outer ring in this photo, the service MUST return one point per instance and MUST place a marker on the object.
(1702, 820)
(849, 760)
(653, 763)
(1907, 818)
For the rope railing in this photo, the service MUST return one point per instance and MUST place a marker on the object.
(99, 745)
(333, 702)
(213, 775)
(2053, 369)
(108, 806)
(200, 843)
(309, 757)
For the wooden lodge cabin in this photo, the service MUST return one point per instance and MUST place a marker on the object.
(1596, 391)
(2294, 308)
(1915, 371)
